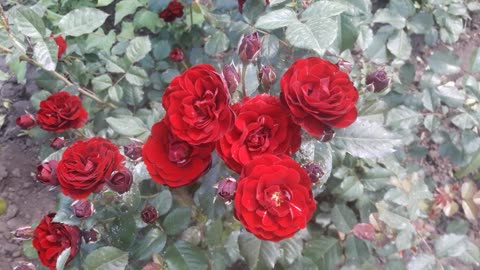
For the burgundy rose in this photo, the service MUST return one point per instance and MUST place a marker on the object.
(267, 77)
(197, 105)
(47, 173)
(274, 197)
(172, 11)
(85, 166)
(314, 171)
(231, 76)
(83, 208)
(51, 239)
(91, 236)
(176, 55)
(249, 47)
(133, 150)
(120, 181)
(226, 188)
(318, 94)
(262, 126)
(61, 111)
(377, 81)
(25, 121)
(173, 162)
(149, 214)
(61, 44)
(58, 143)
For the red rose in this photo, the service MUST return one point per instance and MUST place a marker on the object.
(274, 197)
(46, 173)
(176, 55)
(61, 111)
(120, 181)
(50, 239)
(85, 166)
(171, 161)
(197, 105)
(172, 11)
(25, 121)
(262, 126)
(319, 95)
(61, 44)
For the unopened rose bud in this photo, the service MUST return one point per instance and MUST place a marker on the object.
(468, 189)
(46, 173)
(149, 214)
(226, 188)
(176, 55)
(328, 134)
(82, 208)
(152, 266)
(133, 150)
(266, 77)
(120, 181)
(25, 121)
(314, 171)
(232, 77)
(450, 209)
(364, 231)
(345, 66)
(91, 236)
(25, 266)
(23, 233)
(58, 143)
(249, 48)
(377, 81)
(470, 210)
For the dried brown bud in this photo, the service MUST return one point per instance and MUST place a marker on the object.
(267, 77)
(25, 266)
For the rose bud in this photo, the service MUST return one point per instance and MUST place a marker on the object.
(328, 134)
(266, 77)
(226, 188)
(172, 11)
(58, 143)
(232, 77)
(176, 55)
(377, 81)
(82, 208)
(133, 150)
(345, 66)
(364, 231)
(46, 173)
(249, 47)
(149, 214)
(25, 121)
(120, 181)
(23, 233)
(92, 236)
(25, 266)
(314, 172)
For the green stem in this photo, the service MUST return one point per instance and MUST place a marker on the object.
(244, 71)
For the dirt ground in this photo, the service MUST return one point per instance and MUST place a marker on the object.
(27, 201)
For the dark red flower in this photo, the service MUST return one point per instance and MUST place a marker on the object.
(231, 76)
(83, 208)
(197, 105)
(57, 143)
(133, 150)
(26, 121)
(149, 214)
(267, 77)
(176, 55)
(61, 43)
(262, 126)
(274, 197)
(318, 94)
(377, 81)
(120, 181)
(249, 47)
(173, 162)
(47, 173)
(61, 111)
(172, 11)
(85, 166)
(51, 239)
(226, 188)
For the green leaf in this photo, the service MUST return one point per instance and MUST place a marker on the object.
(277, 19)
(402, 118)
(472, 166)
(325, 252)
(133, 95)
(45, 53)
(316, 34)
(270, 46)
(475, 61)
(258, 254)
(137, 76)
(349, 189)
(82, 21)
(184, 256)
(457, 246)
(106, 258)
(422, 262)
(29, 23)
(444, 62)
(27, 248)
(177, 220)
(102, 82)
(115, 93)
(62, 259)
(138, 48)
(324, 9)
(162, 202)
(465, 121)
(356, 250)
(292, 248)
(366, 139)
(152, 243)
(124, 8)
(148, 19)
(127, 126)
(399, 45)
(402, 7)
(343, 218)
(217, 43)
(421, 23)
(450, 95)
(103, 3)
(122, 231)
(347, 34)
(385, 15)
